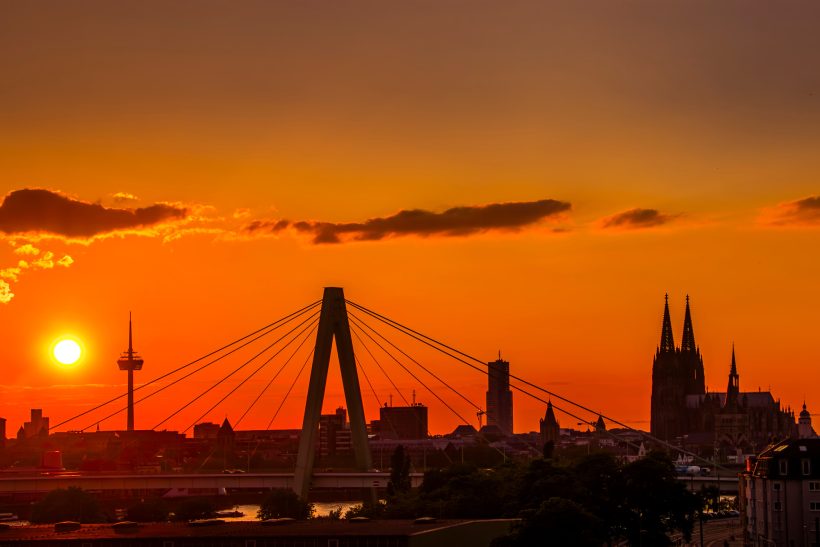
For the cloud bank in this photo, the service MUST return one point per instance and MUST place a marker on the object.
(36, 211)
(457, 221)
(635, 219)
(799, 213)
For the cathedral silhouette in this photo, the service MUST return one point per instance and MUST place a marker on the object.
(729, 423)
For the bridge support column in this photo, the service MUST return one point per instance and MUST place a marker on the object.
(333, 322)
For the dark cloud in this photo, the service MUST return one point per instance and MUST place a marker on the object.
(458, 221)
(638, 218)
(43, 211)
(802, 212)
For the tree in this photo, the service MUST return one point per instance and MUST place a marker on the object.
(548, 450)
(399, 472)
(284, 503)
(67, 504)
(561, 522)
(655, 503)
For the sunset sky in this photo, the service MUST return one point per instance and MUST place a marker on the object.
(530, 177)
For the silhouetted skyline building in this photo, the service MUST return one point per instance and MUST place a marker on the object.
(403, 422)
(682, 409)
(130, 361)
(37, 426)
(548, 426)
(499, 396)
(3, 431)
(804, 428)
(334, 434)
(206, 430)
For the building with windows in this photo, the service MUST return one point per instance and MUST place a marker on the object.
(334, 434)
(779, 495)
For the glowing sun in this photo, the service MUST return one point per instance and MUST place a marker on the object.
(67, 352)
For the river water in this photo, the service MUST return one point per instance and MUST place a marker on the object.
(321, 509)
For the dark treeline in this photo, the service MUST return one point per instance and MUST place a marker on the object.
(593, 501)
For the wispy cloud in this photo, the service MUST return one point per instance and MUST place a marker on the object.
(803, 212)
(5, 292)
(636, 219)
(457, 221)
(38, 260)
(121, 197)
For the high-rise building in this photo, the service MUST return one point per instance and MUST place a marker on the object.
(130, 361)
(3, 431)
(499, 396)
(38, 426)
(403, 422)
(334, 434)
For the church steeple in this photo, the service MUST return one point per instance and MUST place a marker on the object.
(688, 341)
(733, 388)
(667, 340)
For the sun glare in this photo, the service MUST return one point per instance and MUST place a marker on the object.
(67, 352)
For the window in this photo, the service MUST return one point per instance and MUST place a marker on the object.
(814, 505)
(784, 466)
(814, 486)
(167, 544)
(805, 466)
(250, 543)
(776, 486)
(777, 506)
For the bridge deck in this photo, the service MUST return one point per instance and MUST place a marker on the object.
(241, 481)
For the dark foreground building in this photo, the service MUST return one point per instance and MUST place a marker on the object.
(729, 423)
(780, 495)
(381, 533)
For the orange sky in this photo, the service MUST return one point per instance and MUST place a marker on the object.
(705, 116)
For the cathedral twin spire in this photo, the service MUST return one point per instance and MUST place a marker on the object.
(667, 339)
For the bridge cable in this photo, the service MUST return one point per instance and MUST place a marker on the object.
(556, 407)
(389, 379)
(240, 367)
(286, 318)
(425, 369)
(260, 367)
(188, 375)
(379, 402)
(642, 433)
(419, 380)
(287, 394)
(278, 372)
(366, 377)
(424, 339)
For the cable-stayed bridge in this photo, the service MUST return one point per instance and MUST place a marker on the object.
(358, 332)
